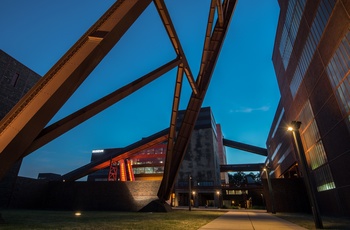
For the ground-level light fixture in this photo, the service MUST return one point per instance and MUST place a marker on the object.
(77, 214)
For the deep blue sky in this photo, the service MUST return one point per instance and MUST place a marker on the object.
(243, 93)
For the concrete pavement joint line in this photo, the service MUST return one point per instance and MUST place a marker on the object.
(251, 222)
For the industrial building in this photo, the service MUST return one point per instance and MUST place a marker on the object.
(200, 166)
(15, 80)
(311, 58)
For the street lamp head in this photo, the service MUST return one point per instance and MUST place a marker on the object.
(295, 125)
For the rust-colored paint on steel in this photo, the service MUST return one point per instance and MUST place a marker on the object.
(169, 27)
(27, 119)
(60, 127)
(213, 48)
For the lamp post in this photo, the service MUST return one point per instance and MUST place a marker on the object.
(218, 193)
(194, 198)
(272, 199)
(189, 192)
(294, 128)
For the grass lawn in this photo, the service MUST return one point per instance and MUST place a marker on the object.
(178, 219)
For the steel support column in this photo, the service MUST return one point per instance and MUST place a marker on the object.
(212, 49)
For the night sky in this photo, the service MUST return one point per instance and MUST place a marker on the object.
(243, 93)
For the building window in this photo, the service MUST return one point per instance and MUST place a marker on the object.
(236, 192)
(314, 150)
(205, 183)
(319, 23)
(339, 74)
(276, 151)
(290, 29)
(324, 179)
(278, 123)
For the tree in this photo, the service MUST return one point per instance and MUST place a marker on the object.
(240, 178)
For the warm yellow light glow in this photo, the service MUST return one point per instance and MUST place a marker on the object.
(193, 192)
(290, 128)
(77, 214)
(218, 192)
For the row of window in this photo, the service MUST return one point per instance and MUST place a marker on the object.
(236, 192)
(148, 170)
(314, 150)
(319, 23)
(339, 74)
(290, 29)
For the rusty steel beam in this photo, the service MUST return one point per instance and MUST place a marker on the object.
(32, 113)
(60, 127)
(170, 29)
(195, 103)
(173, 119)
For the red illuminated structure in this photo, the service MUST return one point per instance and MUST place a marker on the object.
(147, 164)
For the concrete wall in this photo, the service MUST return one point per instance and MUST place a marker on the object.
(84, 195)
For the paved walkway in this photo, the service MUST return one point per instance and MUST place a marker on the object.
(244, 219)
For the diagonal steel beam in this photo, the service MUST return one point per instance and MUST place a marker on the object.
(195, 103)
(174, 112)
(170, 29)
(60, 127)
(26, 120)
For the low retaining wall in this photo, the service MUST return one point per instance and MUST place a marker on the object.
(83, 195)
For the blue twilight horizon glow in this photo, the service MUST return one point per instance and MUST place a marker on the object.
(243, 93)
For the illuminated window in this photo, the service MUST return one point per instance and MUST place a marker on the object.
(324, 179)
(236, 192)
(314, 150)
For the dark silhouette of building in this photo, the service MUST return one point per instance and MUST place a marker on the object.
(311, 57)
(15, 80)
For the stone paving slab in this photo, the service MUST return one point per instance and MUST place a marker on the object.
(247, 220)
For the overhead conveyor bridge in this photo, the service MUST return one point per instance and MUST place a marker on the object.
(245, 147)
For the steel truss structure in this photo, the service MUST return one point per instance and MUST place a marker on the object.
(24, 130)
